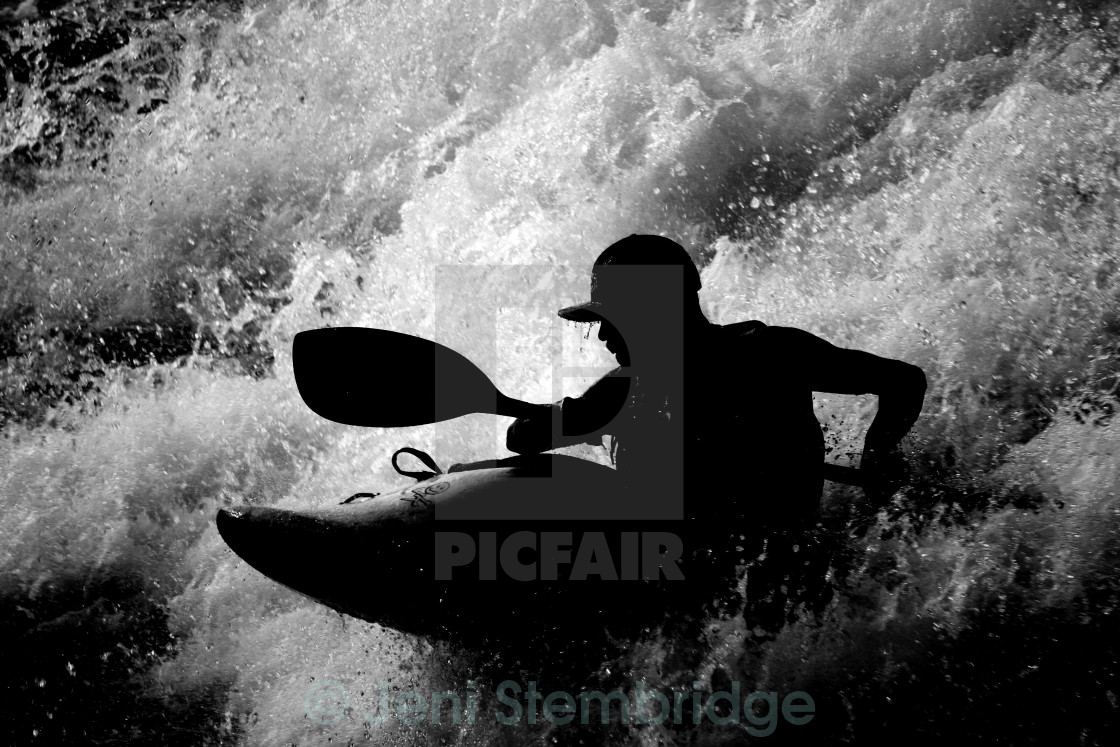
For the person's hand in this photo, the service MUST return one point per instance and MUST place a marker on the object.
(884, 470)
(530, 435)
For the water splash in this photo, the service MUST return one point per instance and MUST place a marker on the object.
(935, 183)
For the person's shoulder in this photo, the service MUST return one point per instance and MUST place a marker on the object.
(746, 333)
(758, 329)
(767, 338)
(742, 329)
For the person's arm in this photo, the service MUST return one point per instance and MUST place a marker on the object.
(900, 387)
(571, 421)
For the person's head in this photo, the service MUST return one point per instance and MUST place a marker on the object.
(643, 291)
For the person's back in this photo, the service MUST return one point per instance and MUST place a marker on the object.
(750, 416)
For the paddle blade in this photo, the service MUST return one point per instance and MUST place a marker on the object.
(374, 377)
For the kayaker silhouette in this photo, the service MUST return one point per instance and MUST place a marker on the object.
(691, 400)
(718, 417)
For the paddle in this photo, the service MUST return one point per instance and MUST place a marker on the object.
(374, 377)
(384, 379)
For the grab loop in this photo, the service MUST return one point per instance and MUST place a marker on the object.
(427, 460)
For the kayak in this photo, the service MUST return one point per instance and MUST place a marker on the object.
(520, 548)
(516, 547)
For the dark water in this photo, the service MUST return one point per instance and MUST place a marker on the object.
(937, 182)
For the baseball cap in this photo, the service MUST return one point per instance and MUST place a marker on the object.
(621, 276)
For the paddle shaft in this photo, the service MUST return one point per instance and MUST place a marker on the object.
(845, 475)
(515, 408)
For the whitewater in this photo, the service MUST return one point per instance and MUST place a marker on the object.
(936, 181)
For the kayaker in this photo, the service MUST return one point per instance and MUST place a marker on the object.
(691, 400)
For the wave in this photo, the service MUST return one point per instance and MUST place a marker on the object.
(935, 182)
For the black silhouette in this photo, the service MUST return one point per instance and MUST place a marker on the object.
(691, 399)
(714, 439)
